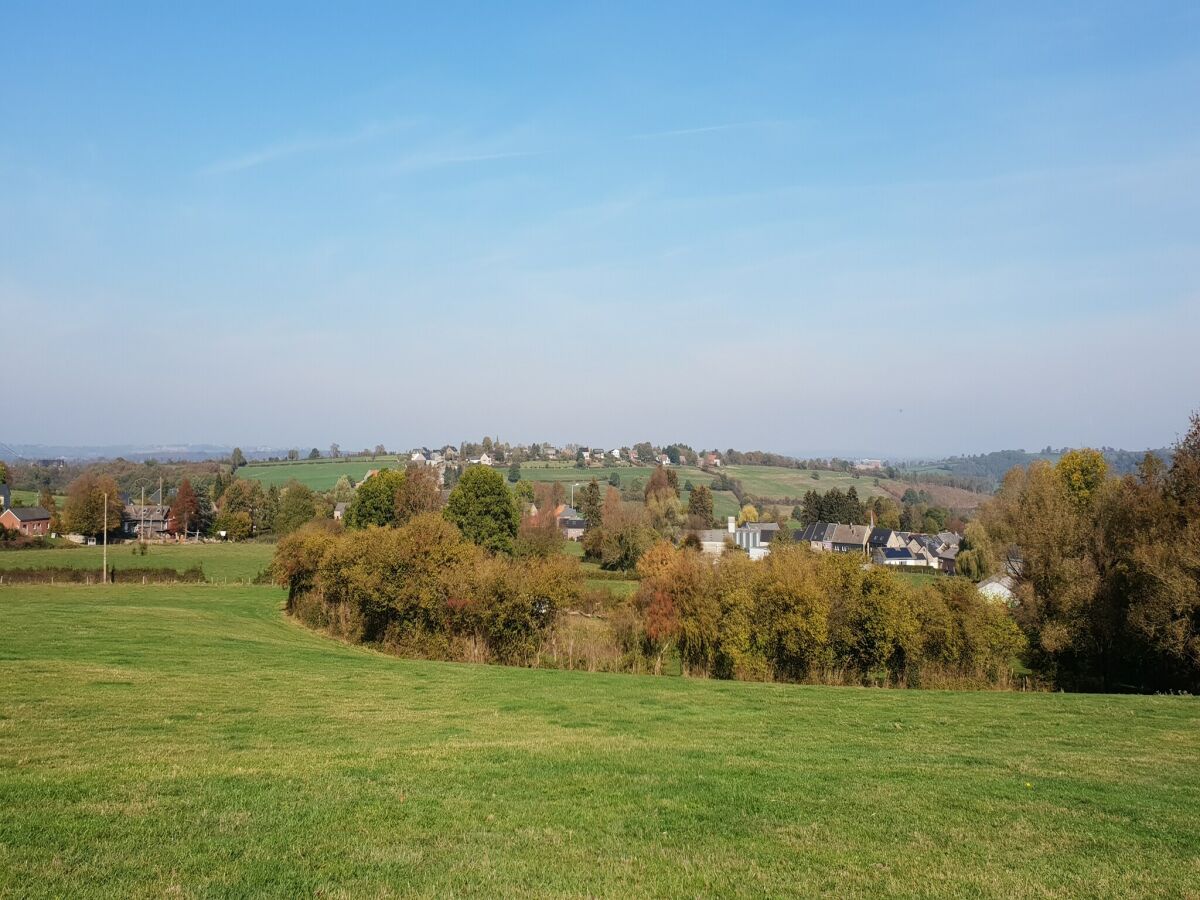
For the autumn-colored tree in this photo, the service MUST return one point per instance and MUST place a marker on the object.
(622, 536)
(662, 501)
(418, 493)
(47, 502)
(84, 510)
(748, 513)
(539, 534)
(1083, 472)
(242, 510)
(185, 509)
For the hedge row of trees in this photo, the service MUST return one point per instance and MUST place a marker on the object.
(804, 616)
(1109, 567)
(423, 589)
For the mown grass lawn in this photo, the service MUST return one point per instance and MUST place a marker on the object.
(191, 740)
(221, 561)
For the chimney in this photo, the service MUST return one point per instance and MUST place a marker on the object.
(732, 524)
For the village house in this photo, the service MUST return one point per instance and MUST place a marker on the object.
(896, 556)
(837, 538)
(573, 525)
(884, 539)
(145, 523)
(339, 510)
(32, 521)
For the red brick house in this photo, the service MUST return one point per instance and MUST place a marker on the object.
(30, 520)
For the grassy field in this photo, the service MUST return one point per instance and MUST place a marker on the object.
(776, 481)
(320, 475)
(191, 740)
(30, 498)
(220, 561)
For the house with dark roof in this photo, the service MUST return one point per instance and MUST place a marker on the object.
(835, 537)
(896, 556)
(884, 538)
(32, 521)
(147, 522)
(571, 521)
(818, 535)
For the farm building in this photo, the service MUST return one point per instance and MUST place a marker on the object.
(28, 520)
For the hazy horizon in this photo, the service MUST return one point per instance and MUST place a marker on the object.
(911, 232)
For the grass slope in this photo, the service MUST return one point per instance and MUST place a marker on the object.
(220, 561)
(320, 475)
(191, 740)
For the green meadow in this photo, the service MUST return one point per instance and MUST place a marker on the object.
(191, 740)
(221, 561)
(777, 481)
(318, 474)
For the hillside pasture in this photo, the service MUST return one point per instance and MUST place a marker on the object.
(193, 741)
(777, 481)
(318, 474)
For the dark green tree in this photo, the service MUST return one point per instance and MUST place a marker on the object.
(237, 459)
(484, 509)
(297, 506)
(700, 507)
(591, 504)
(514, 471)
(374, 500)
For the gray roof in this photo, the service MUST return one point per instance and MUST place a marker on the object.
(713, 535)
(880, 537)
(851, 534)
(819, 531)
(29, 513)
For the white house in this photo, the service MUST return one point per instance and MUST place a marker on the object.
(999, 588)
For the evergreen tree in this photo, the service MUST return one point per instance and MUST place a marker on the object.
(591, 504)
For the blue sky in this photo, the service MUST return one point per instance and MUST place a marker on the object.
(899, 229)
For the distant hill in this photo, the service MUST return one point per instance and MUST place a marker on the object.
(988, 469)
(133, 452)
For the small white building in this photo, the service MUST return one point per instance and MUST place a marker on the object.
(999, 588)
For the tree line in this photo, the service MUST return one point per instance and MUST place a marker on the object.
(1106, 568)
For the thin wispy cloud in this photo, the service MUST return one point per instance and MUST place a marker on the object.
(275, 152)
(437, 159)
(702, 129)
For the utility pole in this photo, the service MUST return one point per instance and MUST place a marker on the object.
(104, 526)
(142, 517)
